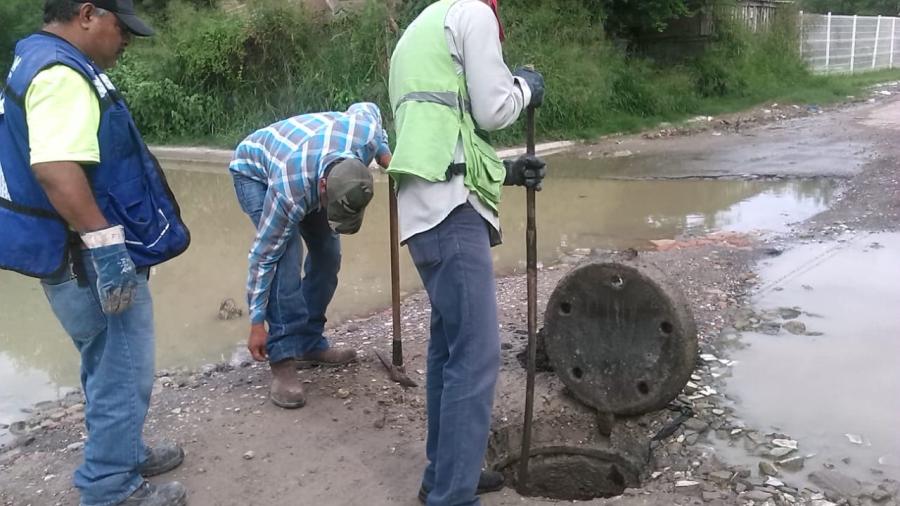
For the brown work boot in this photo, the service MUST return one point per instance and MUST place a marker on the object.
(329, 357)
(286, 390)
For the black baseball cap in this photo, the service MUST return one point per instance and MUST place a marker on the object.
(124, 10)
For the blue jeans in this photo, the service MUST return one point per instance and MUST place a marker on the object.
(455, 264)
(117, 365)
(296, 310)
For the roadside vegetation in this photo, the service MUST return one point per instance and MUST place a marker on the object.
(212, 74)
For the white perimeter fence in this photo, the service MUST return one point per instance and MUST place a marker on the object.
(847, 44)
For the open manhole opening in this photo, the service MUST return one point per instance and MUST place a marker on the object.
(566, 470)
(573, 474)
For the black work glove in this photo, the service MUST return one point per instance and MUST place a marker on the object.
(527, 171)
(535, 83)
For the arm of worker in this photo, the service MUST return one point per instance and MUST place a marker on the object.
(496, 96)
(276, 225)
(70, 194)
(383, 155)
(63, 118)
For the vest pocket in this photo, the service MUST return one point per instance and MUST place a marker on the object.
(136, 210)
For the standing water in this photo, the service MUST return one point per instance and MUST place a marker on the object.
(836, 388)
(576, 209)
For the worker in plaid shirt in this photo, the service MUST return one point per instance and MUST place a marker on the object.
(303, 180)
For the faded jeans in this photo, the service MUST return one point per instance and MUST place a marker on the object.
(117, 366)
(296, 310)
(455, 264)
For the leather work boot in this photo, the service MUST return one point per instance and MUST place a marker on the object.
(148, 494)
(286, 390)
(329, 357)
(161, 459)
(489, 481)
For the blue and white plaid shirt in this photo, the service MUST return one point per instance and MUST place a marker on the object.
(290, 157)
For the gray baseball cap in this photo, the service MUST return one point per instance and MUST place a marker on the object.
(349, 189)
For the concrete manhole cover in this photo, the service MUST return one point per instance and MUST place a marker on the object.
(620, 337)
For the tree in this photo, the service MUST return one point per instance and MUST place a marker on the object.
(18, 18)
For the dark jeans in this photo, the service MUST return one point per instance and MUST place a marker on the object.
(455, 264)
(296, 310)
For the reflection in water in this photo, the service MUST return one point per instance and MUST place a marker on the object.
(817, 389)
(573, 212)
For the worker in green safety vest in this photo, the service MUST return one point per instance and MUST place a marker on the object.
(449, 84)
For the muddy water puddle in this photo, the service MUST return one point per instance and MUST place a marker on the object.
(37, 361)
(835, 389)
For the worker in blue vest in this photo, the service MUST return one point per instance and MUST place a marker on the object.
(448, 84)
(85, 207)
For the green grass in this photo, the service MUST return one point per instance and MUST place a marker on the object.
(212, 77)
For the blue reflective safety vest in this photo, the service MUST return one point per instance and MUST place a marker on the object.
(128, 183)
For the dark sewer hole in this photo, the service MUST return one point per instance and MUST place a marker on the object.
(567, 462)
(565, 308)
(666, 328)
(574, 477)
(577, 372)
(643, 387)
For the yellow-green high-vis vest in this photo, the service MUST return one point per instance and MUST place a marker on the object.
(431, 110)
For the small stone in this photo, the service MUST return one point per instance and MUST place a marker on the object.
(781, 452)
(791, 464)
(720, 477)
(835, 483)
(343, 393)
(709, 496)
(767, 469)
(742, 472)
(57, 416)
(696, 425)
(795, 327)
(74, 447)
(769, 328)
(249, 455)
(774, 482)
(788, 313)
(854, 438)
(786, 443)
(75, 408)
(756, 496)
(687, 486)
(176, 411)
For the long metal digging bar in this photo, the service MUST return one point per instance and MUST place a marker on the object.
(396, 370)
(531, 277)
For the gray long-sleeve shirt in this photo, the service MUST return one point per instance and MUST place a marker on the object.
(497, 99)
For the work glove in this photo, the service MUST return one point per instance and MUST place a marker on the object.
(535, 82)
(527, 171)
(116, 275)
